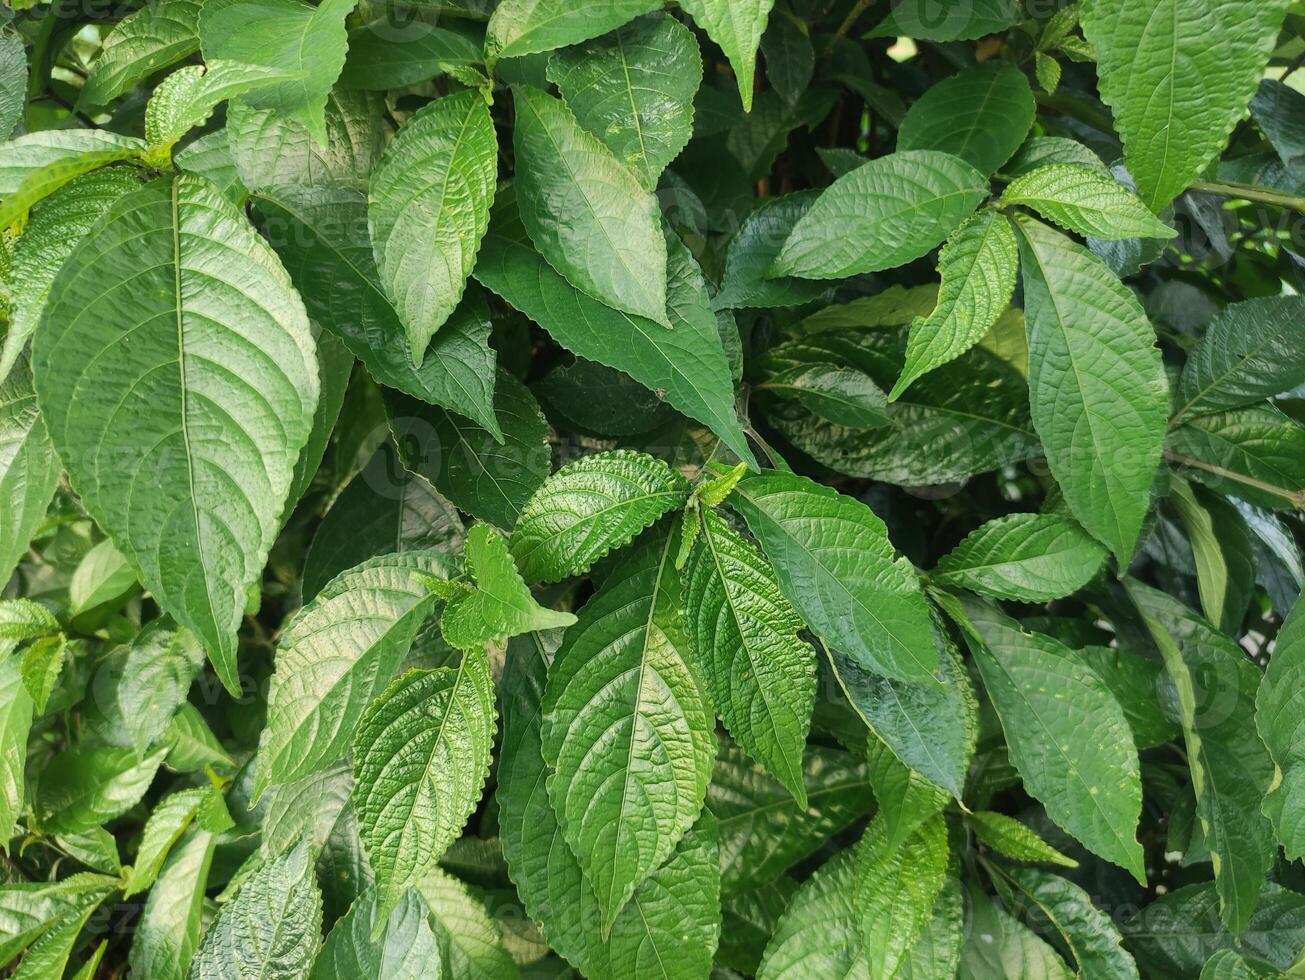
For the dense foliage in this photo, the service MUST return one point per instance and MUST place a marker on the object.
(779, 488)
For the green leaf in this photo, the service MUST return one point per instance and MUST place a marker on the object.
(1093, 939)
(287, 35)
(83, 787)
(41, 663)
(337, 655)
(191, 744)
(149, 681)
(1248, 354)
(1228, 965)
(736, 26)
(1010, 838)
(930, 727)
(1256, 453)
(904, 799)
(628, 728)
(937, 953)
(1047, 701)
(1085, 201)
(489, 478)
(500, 606)
(574, 193)
(895, 887)
(145, 41)
(686, 364)
(981, 115)
(46, 163)
(28, 909)
(405, 949)
(590, 507)
(762, 675)
(23, 619)
(1279, 722)
(222, 386)
(753, 250)
(29, 469)
(952, 22)
(1097, 387)
(53, 230)
(167, 933)
(843, 396)
(977, 266)
(1221, 548)
(999, 946)
(470, 942)
(520, 27)
(379, 60)
(882, 215)
(168, 821)
(634, 89)
(1178, 76)
(1024, 557)
(819, 935)
(1137, 684)
(384, 509)
(102, 576)
(187, 97)
(48, 956)
(272, 927)
(13, 82)
(16, 711)
(428, 208)
(763, 830)
(421, 756)
(835, 564)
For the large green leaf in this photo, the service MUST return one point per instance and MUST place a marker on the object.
(881, 215)
(36, 164)
(428, 208)
(29, 469)
(1256, 453)
(337, 654)
(421, 756)
(290, 35)
(819, 935)
(86, 786)
(1097, 387)
(470, 941)
(405, 949)
(999, 946)
(188, 97)
(981, 115)
(1025, 557)
(381, 58)
(500, 605)
(1178, 75)
(835, 564)
(628, 727)
(762, 675)
(54, 229)
(753, 250)
(520, 27)
(15, 724)
(634, 90)
(736, 26)
(167, 822)
(272, 928)
(977, 266)
(1281, 724)
(1221, 550)
(490, 478)
(895, 887)
(1086, 201)
(1248, 353)
(167, 932)
(1067, 734)
(182, 414)
(686, 365)
(585, 211)
(157, 35)
(589, 507)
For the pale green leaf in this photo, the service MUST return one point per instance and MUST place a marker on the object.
(999, 946)
(272, 928)
(28, 909)
(1178, 75)
(102, 576)
(470, 941)
(977, 266)
(167, 932)
(428, 208)
(287, 35)
(42, 661)
(16, 711)
(882, 215)
(753, 250)
(634, 89)
(981, 115)
(405, 949)
(895, 886)
(38, 164)
(1097, 387)
(187, 97)
(421, 756)
(590, 507)
(167, 822)
(835, 564)
(736, 26)
(763, 677)
(1222, 551)
(29, 468)
(1012, 839)
(585, 212)
(1024, 557)
(1281, 724)
(25, 619)
(520, 27)
(153, 37)
(500, 605)
(841, 395)
(83, 787)
(818, 936)
(337, 655)
(221, 387)
(13, 82)
(1085, 201)
(628, 728)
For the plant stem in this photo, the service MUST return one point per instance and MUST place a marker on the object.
(849, 20)
(1296, 497)
(1250, 192)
